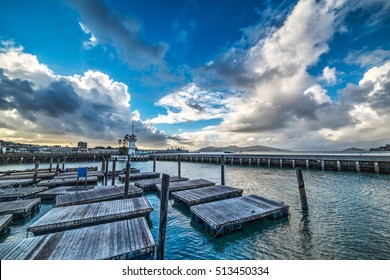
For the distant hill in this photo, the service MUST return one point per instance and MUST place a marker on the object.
(381, 149)
(353, 149)
(257, 148)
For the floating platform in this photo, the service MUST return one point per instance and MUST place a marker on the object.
(226, 216)
(186, 185)
(123, 171)
(42, 175)
(129, 239)
(15, 183)
(150, 184)
(5, 221)
(64, 218)
(64, 175)
(24, 192)
(207, 194)
(20, 208)
(52, 193)
(67, 182)
(96, 195)
(140, 176)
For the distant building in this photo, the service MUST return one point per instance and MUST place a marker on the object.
(82, 145)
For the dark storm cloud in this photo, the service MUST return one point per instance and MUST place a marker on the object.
(119, 31)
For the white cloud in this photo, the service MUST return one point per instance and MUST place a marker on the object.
(92, 41)
(329, 75)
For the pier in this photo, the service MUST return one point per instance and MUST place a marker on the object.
(186, 185)
(64, 218)
(150, 184)
(364, 162)
(20, 208)
(129, 239)
(96, 195)
(207, 194)
(22, 193)
(226, 216)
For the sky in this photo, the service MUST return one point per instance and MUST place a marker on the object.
(299, 75)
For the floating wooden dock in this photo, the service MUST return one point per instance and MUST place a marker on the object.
(5, 221)
(64, 175)
(226, 216)
(150, 184)
(52, 193)
(140, 176)
(15, 183)
(44, 175)
(129, 239)
(24, 192)
(20, 208)
(67, 182)
(186, 185)
(96, 195)
(64, 218)
(207, 194)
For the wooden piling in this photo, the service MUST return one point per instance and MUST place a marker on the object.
(154, 164)
(222, 170)
(51, 165)
(58, 165)
(113, 172)
(301, 186)
(106, 173)
(179, 166)
(127, 179)
(36, 172)
(103, 164)
(163, 216)
(63, 164)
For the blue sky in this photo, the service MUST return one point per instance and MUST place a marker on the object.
(303, 75)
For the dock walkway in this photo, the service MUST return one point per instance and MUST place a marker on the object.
(96, 195)
(186, 185)
(24, 192)
(140, 176)
(64, 218)
(150, 184)
(129, 239)
(20, 208)
(225, 216)
(207, 194)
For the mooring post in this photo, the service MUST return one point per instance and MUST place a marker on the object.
(222, 170)
(103, 164)
(106, 173)
(51, 164)
(163, 216)
(63, 164)
(113, 172)
(58, 165)
(36, 172)
(179, 166)
(301, 186)
(154, 164)
(127, 178)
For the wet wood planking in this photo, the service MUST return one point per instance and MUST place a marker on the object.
(20, 208)
(24, 192)
(186, 185)
(150, 184)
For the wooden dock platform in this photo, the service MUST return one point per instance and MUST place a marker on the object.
(20, 208)
(150, 184)
(129, 239)
(226, 216)
(42, 175)
(186, 185)
(15, 183)
(5, 221)
(23, 193)
(140, 176)
(96, 195)
(52, 193)
(67, 182)
(207, 194)
(64, 218)
(99, 174)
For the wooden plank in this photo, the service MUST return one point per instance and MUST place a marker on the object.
(5, 221)
(207, 194)
(186, 185)
(98, 174)
(15, 193)
(40, 175)
(64, 218)
(54, 192)
(95, 195)
(20, 208)
(71, 244)
(140, 176)
(225, 216)
(15, 183)
(150, 184)
(66, 181)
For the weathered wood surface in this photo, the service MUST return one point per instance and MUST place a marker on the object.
(24, 192)
(64, 218)
(40, 175)
(186, 185)
(15, 183)
(64, 175)
(140, 176)
(67, 181)
(20, 208)
(25, 171)
(5, 221)
(52, 193)
(129, 239)
(96, 195)
(226, 216)
(150, 184)
(40, 171)
(207, 194)
(74, 169)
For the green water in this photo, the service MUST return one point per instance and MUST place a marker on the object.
(348, 215)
